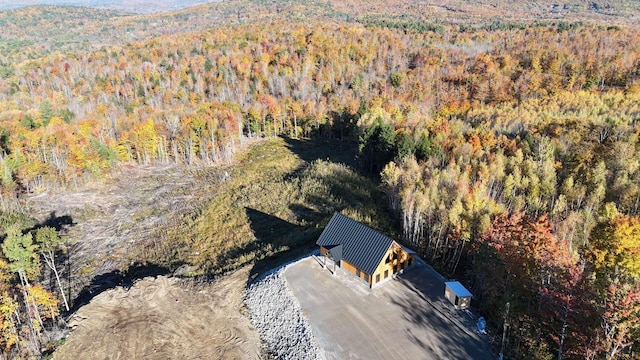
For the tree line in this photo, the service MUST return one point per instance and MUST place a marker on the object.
(193, 98)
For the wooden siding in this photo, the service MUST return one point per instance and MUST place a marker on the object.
(348, 266)
(323, 251)
(390, 265)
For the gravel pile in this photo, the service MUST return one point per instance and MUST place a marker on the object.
(277, 316)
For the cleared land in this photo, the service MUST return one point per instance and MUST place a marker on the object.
(165, 318)
(267, 207)
(407, 318)
(107, 223)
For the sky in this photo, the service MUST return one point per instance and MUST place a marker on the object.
(137, 6)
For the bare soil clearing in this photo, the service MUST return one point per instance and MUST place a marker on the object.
(112, 218)
(160, 318)
(165, 318)
(156, 220)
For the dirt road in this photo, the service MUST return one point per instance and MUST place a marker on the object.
(165, 318)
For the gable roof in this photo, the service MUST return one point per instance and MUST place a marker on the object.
(361, 245)
(335, 251)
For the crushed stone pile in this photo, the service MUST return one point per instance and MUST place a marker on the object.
(277, 316)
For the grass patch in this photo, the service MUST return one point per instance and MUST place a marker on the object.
(277, 199)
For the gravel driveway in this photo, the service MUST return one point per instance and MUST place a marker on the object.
(404, 318)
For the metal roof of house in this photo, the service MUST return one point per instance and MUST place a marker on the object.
(361, 245)
(335, 251)
(458, 289)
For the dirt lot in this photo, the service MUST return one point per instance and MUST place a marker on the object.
(156, 318)
(165, 318)
(407, 318)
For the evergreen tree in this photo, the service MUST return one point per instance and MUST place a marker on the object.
(377, 145)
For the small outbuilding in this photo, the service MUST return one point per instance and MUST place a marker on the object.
(362, 251)
(459, 296)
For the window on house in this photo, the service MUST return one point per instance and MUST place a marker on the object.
(378, 278)
(386, 274)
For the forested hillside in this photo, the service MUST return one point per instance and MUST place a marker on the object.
(188, 98)
(509, 149)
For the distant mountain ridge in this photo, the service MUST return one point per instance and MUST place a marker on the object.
(445, 11)
(133, 6)
(48, 28)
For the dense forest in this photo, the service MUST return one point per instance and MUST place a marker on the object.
(509, 151)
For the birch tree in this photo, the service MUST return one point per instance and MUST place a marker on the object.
(49, 244)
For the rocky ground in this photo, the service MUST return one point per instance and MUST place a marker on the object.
(277, 316)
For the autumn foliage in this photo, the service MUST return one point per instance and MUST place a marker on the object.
(498, 145)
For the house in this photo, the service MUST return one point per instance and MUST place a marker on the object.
(459, 296)
(362, 251)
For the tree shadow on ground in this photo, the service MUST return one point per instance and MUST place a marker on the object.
(103, 282)
(268, 229)
(277, 241)
(340, 151)
(58, 223)
(429, 311)
(305, 214)
(345, 183)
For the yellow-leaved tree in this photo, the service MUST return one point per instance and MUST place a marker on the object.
(8, 307)
(615, 255)
(616, 249)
